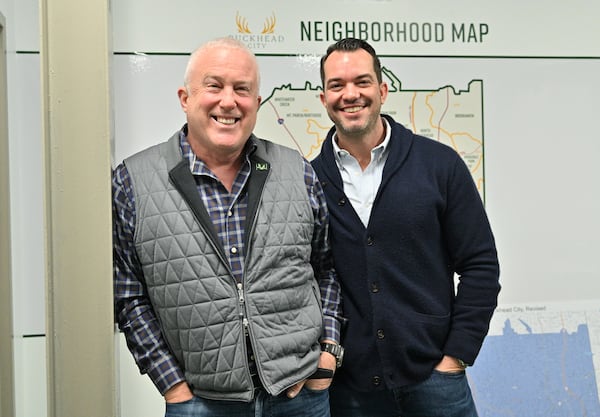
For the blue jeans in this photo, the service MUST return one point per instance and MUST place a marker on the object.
(308, 403)
(441, 395)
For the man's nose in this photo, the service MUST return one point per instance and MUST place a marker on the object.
(228, 98)
(351, 92)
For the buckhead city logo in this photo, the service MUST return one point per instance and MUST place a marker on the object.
(255, 39)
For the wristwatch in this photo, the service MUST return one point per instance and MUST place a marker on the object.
(335, 350)
(462, 363)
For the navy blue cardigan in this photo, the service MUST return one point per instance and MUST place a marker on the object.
(427, 223)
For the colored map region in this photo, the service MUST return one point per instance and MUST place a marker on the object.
(539, 364)
(296, 117)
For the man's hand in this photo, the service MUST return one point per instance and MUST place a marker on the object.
(179, 393)
(449, 364)
(327, 360)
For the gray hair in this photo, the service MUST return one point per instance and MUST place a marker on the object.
(226, 43)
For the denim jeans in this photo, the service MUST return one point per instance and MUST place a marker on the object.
(308, 403)
(441, 395)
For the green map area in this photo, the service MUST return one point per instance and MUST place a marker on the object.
(295, 117)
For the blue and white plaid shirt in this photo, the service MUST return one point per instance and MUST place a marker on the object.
(227, 210)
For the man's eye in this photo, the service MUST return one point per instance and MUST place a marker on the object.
(212, 86)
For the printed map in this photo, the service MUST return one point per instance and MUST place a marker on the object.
(538, 361)
(295, 116)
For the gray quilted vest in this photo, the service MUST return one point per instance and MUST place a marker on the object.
(192, 290)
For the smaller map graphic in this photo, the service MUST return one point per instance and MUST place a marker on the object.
(294, 116)
(539, 361)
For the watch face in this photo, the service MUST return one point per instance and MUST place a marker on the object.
(340, 357)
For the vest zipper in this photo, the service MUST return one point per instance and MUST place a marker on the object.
(242, 308)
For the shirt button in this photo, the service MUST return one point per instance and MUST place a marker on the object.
(233, 250)
(229, 213)
(380, 334)
(374, 287)
(376, 380)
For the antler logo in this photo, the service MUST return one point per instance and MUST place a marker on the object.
(242, 23)
(268, 25)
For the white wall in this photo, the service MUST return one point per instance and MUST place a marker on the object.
(26, 205)
(541, 144)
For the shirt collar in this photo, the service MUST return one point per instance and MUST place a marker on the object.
(377, 152)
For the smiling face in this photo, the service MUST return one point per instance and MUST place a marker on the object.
(352, 95)
(220, 99)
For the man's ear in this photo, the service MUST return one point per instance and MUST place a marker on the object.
(383, 90)
(183, 96)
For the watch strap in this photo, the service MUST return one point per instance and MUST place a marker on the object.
(336, 350)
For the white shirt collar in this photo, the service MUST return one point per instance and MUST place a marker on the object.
(377, 152)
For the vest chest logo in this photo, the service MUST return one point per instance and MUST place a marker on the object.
(262, 166)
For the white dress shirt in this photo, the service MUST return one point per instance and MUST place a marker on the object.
(361, 186)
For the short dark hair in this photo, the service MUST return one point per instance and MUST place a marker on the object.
(350, 45)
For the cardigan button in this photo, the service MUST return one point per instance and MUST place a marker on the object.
(342, 202)
(374, 287)
(370, 240)
(380, 334)
(376, 380)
